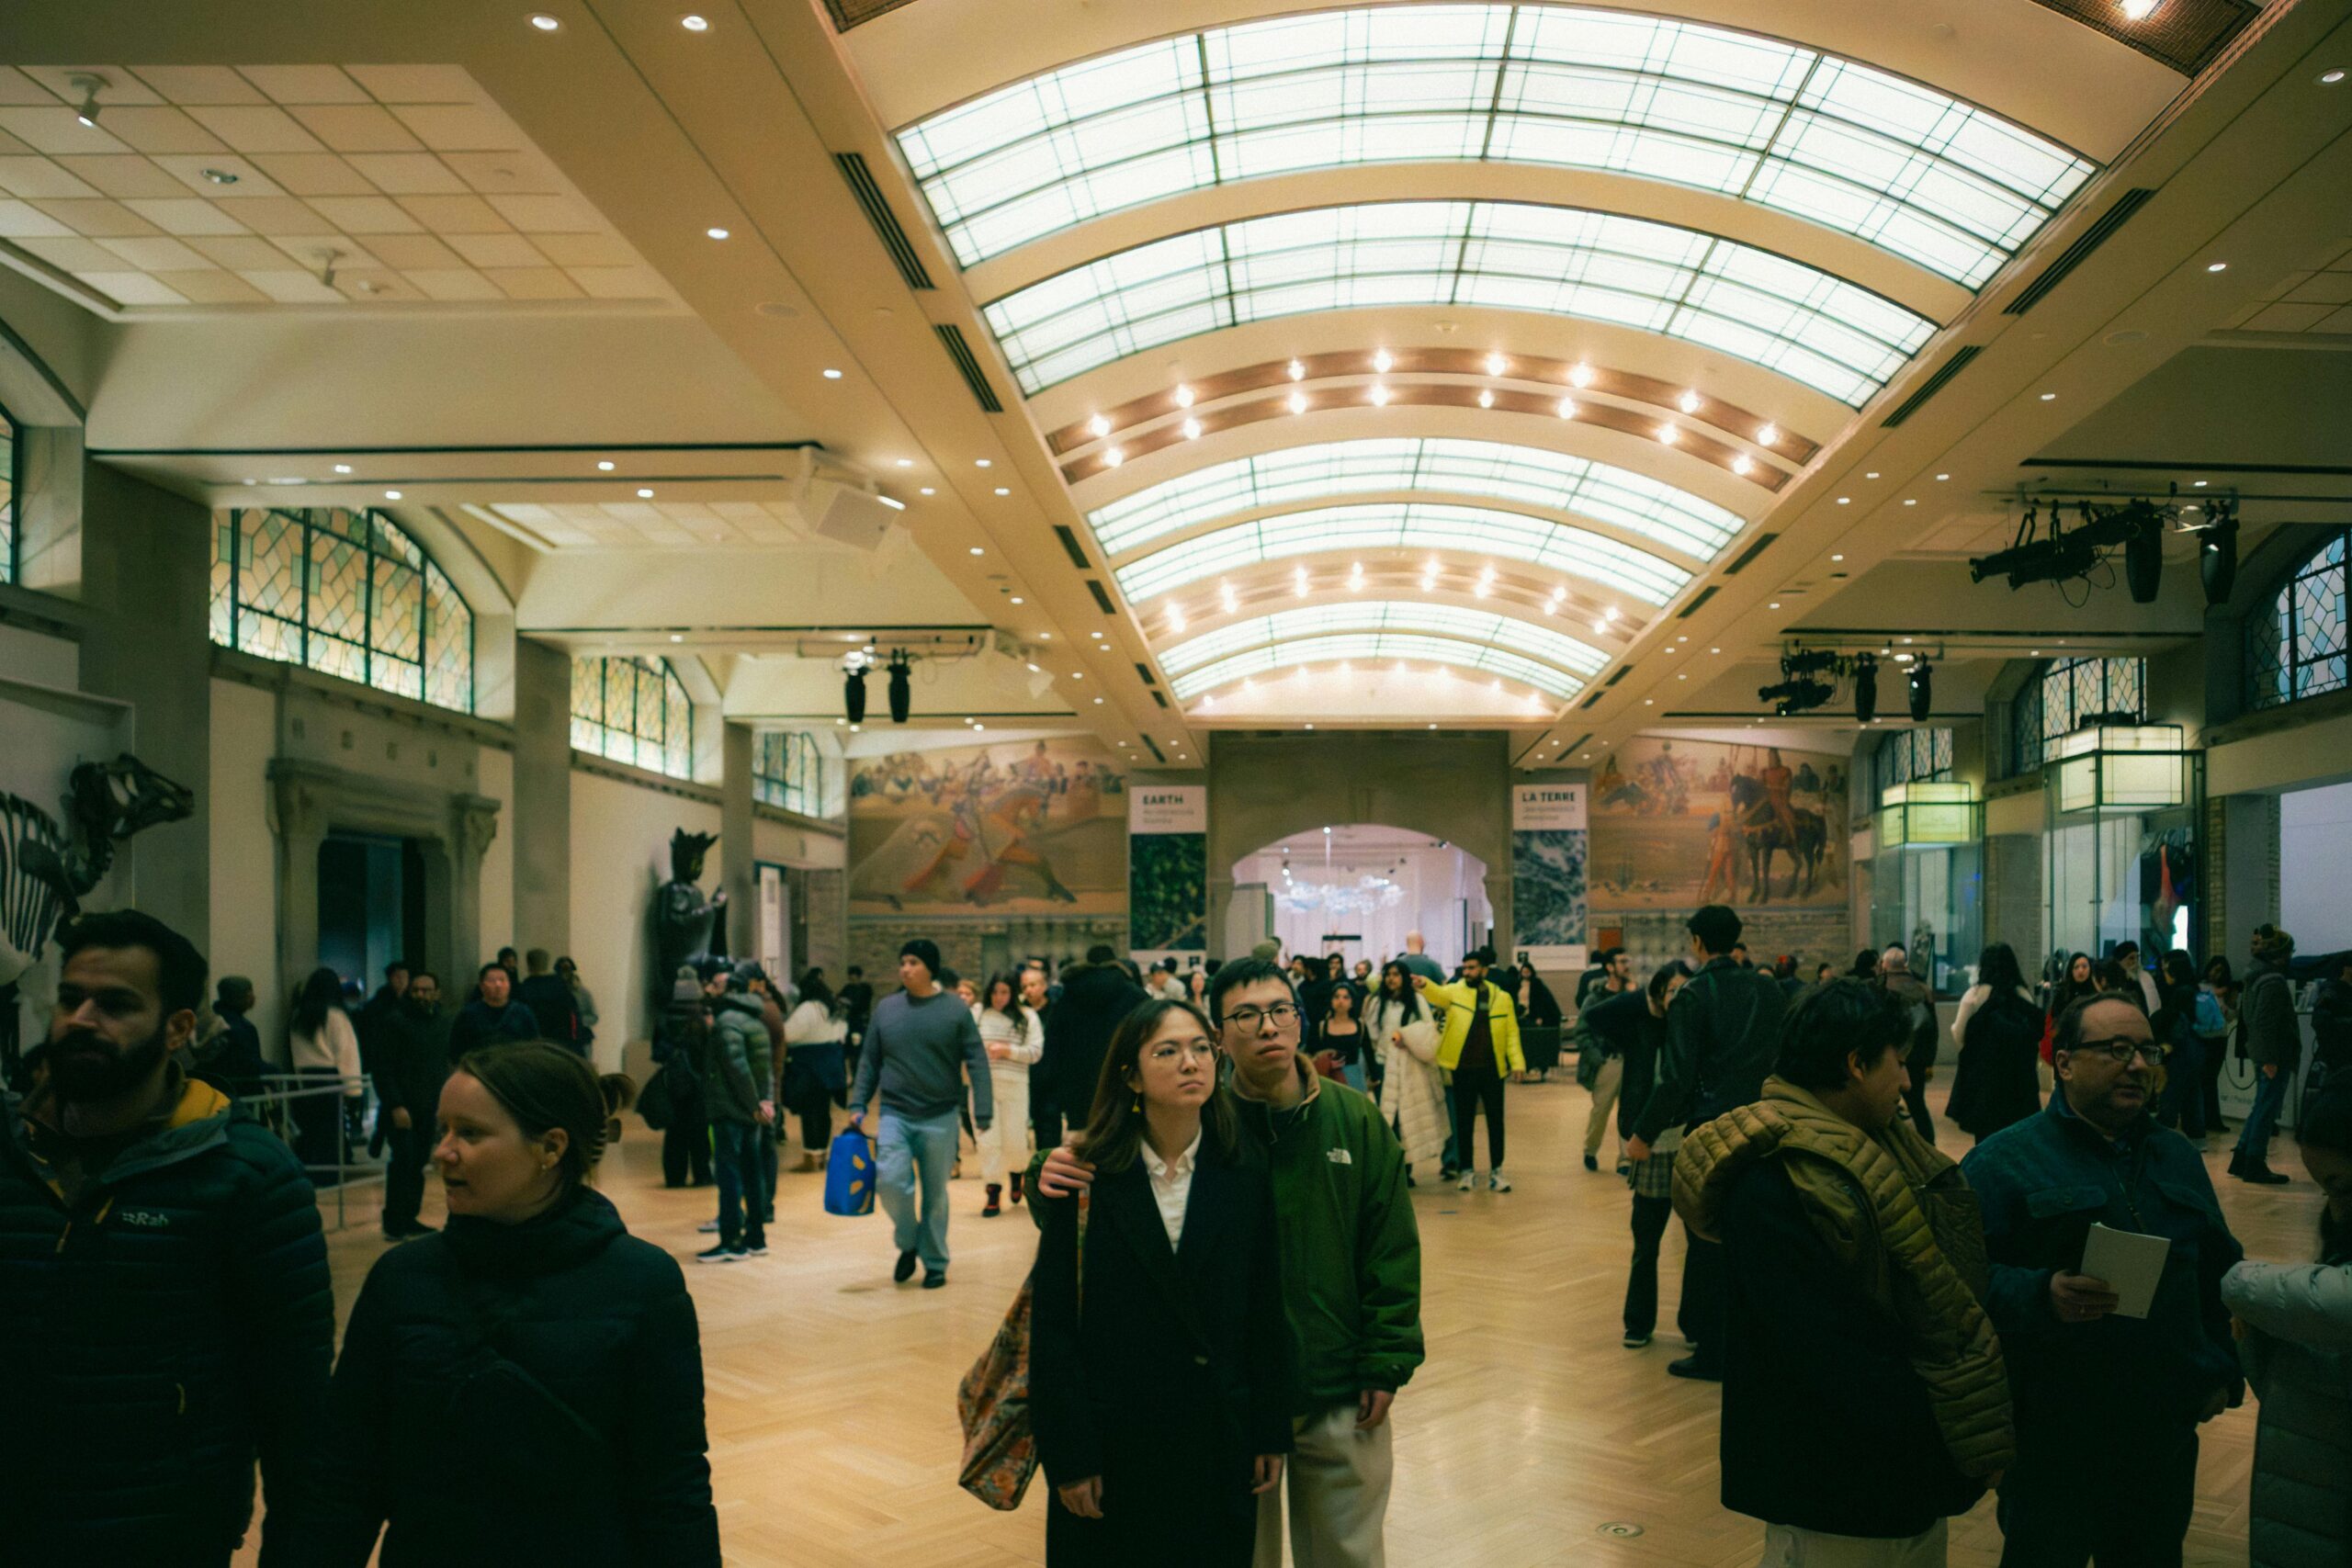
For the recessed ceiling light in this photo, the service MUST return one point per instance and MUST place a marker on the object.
(2138, 10)
(1836, 557)
(2330, 78)
(1019, 600)
(1715, 651)
(1184, 396)
(1689, 402)
(1568, 408)
(1379, 394)
(1297, 371)
(1098, 702)
(676, 637)
(832, 373)
(2197, 484)
(1768, 437)
(1297, 403)
(1909, 502)
(2217, 266)
(1743, 465)
(1003, 490)
(1580, 375)
(1775, 605)
(388, 495)
(927, 491)
(604, 466)
(716, 233)
(1941, 478)
(2049, 396)
(220, 176)
(1871, 475)
(1669, 435)
(1496, 365)
(1310, 726)
(906, 462)
(645, 495)
(1192, 428)
(1845, 500)
(1486, 399)
(343, 467)
(1113, 456)
(977, 550)
(545, 23)
(1096, 636)
(693, 24)
(983, 463)
(1382, 360)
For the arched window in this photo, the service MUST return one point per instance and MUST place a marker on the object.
(1911, 756)
(2070, 694)
(348, 593)
(8, 498)
(2295, 647)
(788, 771)
(634, 711)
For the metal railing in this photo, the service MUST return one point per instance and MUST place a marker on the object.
(274, 1104)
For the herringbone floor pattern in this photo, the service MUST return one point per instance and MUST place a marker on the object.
(833, 1438)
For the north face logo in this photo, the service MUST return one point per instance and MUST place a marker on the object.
(1339, 1157)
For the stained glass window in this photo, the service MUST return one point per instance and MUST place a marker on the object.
(8, 498)
(2069, 695)
(347, 594)
(2295, 645)
(634, 711)
(1911, 756)
(788, 771)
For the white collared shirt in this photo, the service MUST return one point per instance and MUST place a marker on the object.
(1171, 1184)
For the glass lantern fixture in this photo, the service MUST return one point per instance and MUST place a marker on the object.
(1923, 815)
(2115, 769)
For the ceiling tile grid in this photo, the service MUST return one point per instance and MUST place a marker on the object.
(295, 185)
(2319, 301)
(652, 524)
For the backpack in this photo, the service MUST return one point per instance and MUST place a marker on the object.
(2211, 1021)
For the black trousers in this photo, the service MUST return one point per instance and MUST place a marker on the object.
(812, 1102)
(1914, 1098)
(1701, 1317)
(2052, 1518)
(1472, 1090)
(2217, 1057)
(1046, 1117)
(1650, 1215)
(404, 1174)
(686, 1147)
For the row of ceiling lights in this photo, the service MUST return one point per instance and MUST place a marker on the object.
(1302, 584)
(1531, 697)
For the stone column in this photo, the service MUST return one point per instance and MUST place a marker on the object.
(735, 846)
(542, 797)
(298, 823)
(1499, 895)
(146, 579)
(473, 823)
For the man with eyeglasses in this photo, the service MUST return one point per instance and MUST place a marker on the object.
(1351, 1270)
(2088, 1380)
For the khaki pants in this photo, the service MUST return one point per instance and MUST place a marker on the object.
(1337, 1484)
(1788, 1547)
(1604, 1103)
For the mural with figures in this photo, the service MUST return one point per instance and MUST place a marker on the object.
(1680, 823)
(1026, 827)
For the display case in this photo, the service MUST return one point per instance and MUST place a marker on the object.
(2120, 852)
(1926, 887)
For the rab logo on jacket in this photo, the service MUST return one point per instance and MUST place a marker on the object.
(1339, 1157)
(149, 1218)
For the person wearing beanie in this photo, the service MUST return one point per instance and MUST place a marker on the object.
(919, 1048)
(2274, 1042)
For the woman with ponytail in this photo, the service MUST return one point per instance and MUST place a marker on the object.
(525, 1386)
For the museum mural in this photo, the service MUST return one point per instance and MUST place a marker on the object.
(1025, 827)
(1680, 823)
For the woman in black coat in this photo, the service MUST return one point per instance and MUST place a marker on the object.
(526, 1385)
(1161, 1394)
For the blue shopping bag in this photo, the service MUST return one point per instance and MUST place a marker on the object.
(849, 1174)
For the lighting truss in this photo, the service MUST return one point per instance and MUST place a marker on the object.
(1930, 177)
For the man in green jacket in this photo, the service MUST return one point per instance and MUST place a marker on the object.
(1351, 1270)
(741, 1101)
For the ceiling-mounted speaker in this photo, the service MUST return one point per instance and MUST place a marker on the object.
(847, 515)
(2144, 564)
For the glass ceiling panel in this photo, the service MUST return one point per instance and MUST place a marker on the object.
(1936, 180)
(1420, 525)
(1832, 335)
(1370, 648)
(1386, 614)
(1528, 475)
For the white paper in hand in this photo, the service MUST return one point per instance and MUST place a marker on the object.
(2129, 1262)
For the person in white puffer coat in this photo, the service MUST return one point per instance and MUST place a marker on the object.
(1402, 1033)
(1015, 1037)
(2296, 1342)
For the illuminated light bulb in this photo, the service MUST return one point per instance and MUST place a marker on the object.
(1552, 608)
(1113, 456)
(1769, 436)
(1600, 625)
(1191, 430)
(1379, 394)
(1183, 397)
(1175, 616)
(1225, 594)
(1743, 465)
(1610, 612)
(1382, 360)
(1496, 365)
(1669, 435)
(1567, 407)
(1689, 402)
(1486, 400)
(1559, 594)
(2138, 10)
(1297, 371)
(1298, 583)
(1344, 667)
(1098, 427)
(1581, 376)
(1298, 402)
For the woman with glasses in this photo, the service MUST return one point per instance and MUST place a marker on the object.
(1157, 1376)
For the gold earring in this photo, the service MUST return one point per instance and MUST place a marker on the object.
(1137, 1105)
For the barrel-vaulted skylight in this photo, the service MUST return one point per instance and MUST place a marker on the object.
(1419, 525)
(1935, 180)
(1369, 648)
(1817, 328)
(1384, 614)
(1529, 475)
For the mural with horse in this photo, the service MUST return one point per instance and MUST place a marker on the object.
(1678, 823)
(1014, 829)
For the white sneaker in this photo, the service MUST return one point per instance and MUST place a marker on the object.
(1469, 1181)
(1499, 1182)
(708, 1228)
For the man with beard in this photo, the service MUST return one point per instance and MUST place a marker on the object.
(2086, 1377)
(407, 1060)
(493, 1015)
(164, 1285)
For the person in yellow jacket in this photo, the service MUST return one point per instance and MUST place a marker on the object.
(1480, 1048)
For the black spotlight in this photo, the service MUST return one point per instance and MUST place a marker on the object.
(1922, 691)
(1865, 688)
(2144, 564)
(901, 689)
(2217, 559)
(853, 692)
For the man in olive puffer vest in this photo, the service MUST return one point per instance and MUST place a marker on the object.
(1854, 1261)
(164, 1289)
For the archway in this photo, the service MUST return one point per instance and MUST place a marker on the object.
(1357, 888)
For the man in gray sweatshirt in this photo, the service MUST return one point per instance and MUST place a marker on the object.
(919, 1046)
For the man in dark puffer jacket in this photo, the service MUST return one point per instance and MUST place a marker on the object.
(164, 1289)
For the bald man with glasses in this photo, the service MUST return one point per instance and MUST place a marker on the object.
(2091, 1385)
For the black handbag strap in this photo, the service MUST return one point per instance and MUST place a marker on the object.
(486, 1354)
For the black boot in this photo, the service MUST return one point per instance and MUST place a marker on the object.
(1016, 1187)
(994, 1207)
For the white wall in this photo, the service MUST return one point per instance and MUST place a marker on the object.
(45, 661)
(620, 853)
(780, 844)
(2314, 846)
(243, 894)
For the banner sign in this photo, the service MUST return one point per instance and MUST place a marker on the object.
(1168, 871)
(1549, 847)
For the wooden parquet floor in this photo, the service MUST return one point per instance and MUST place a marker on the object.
(831, 1391)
